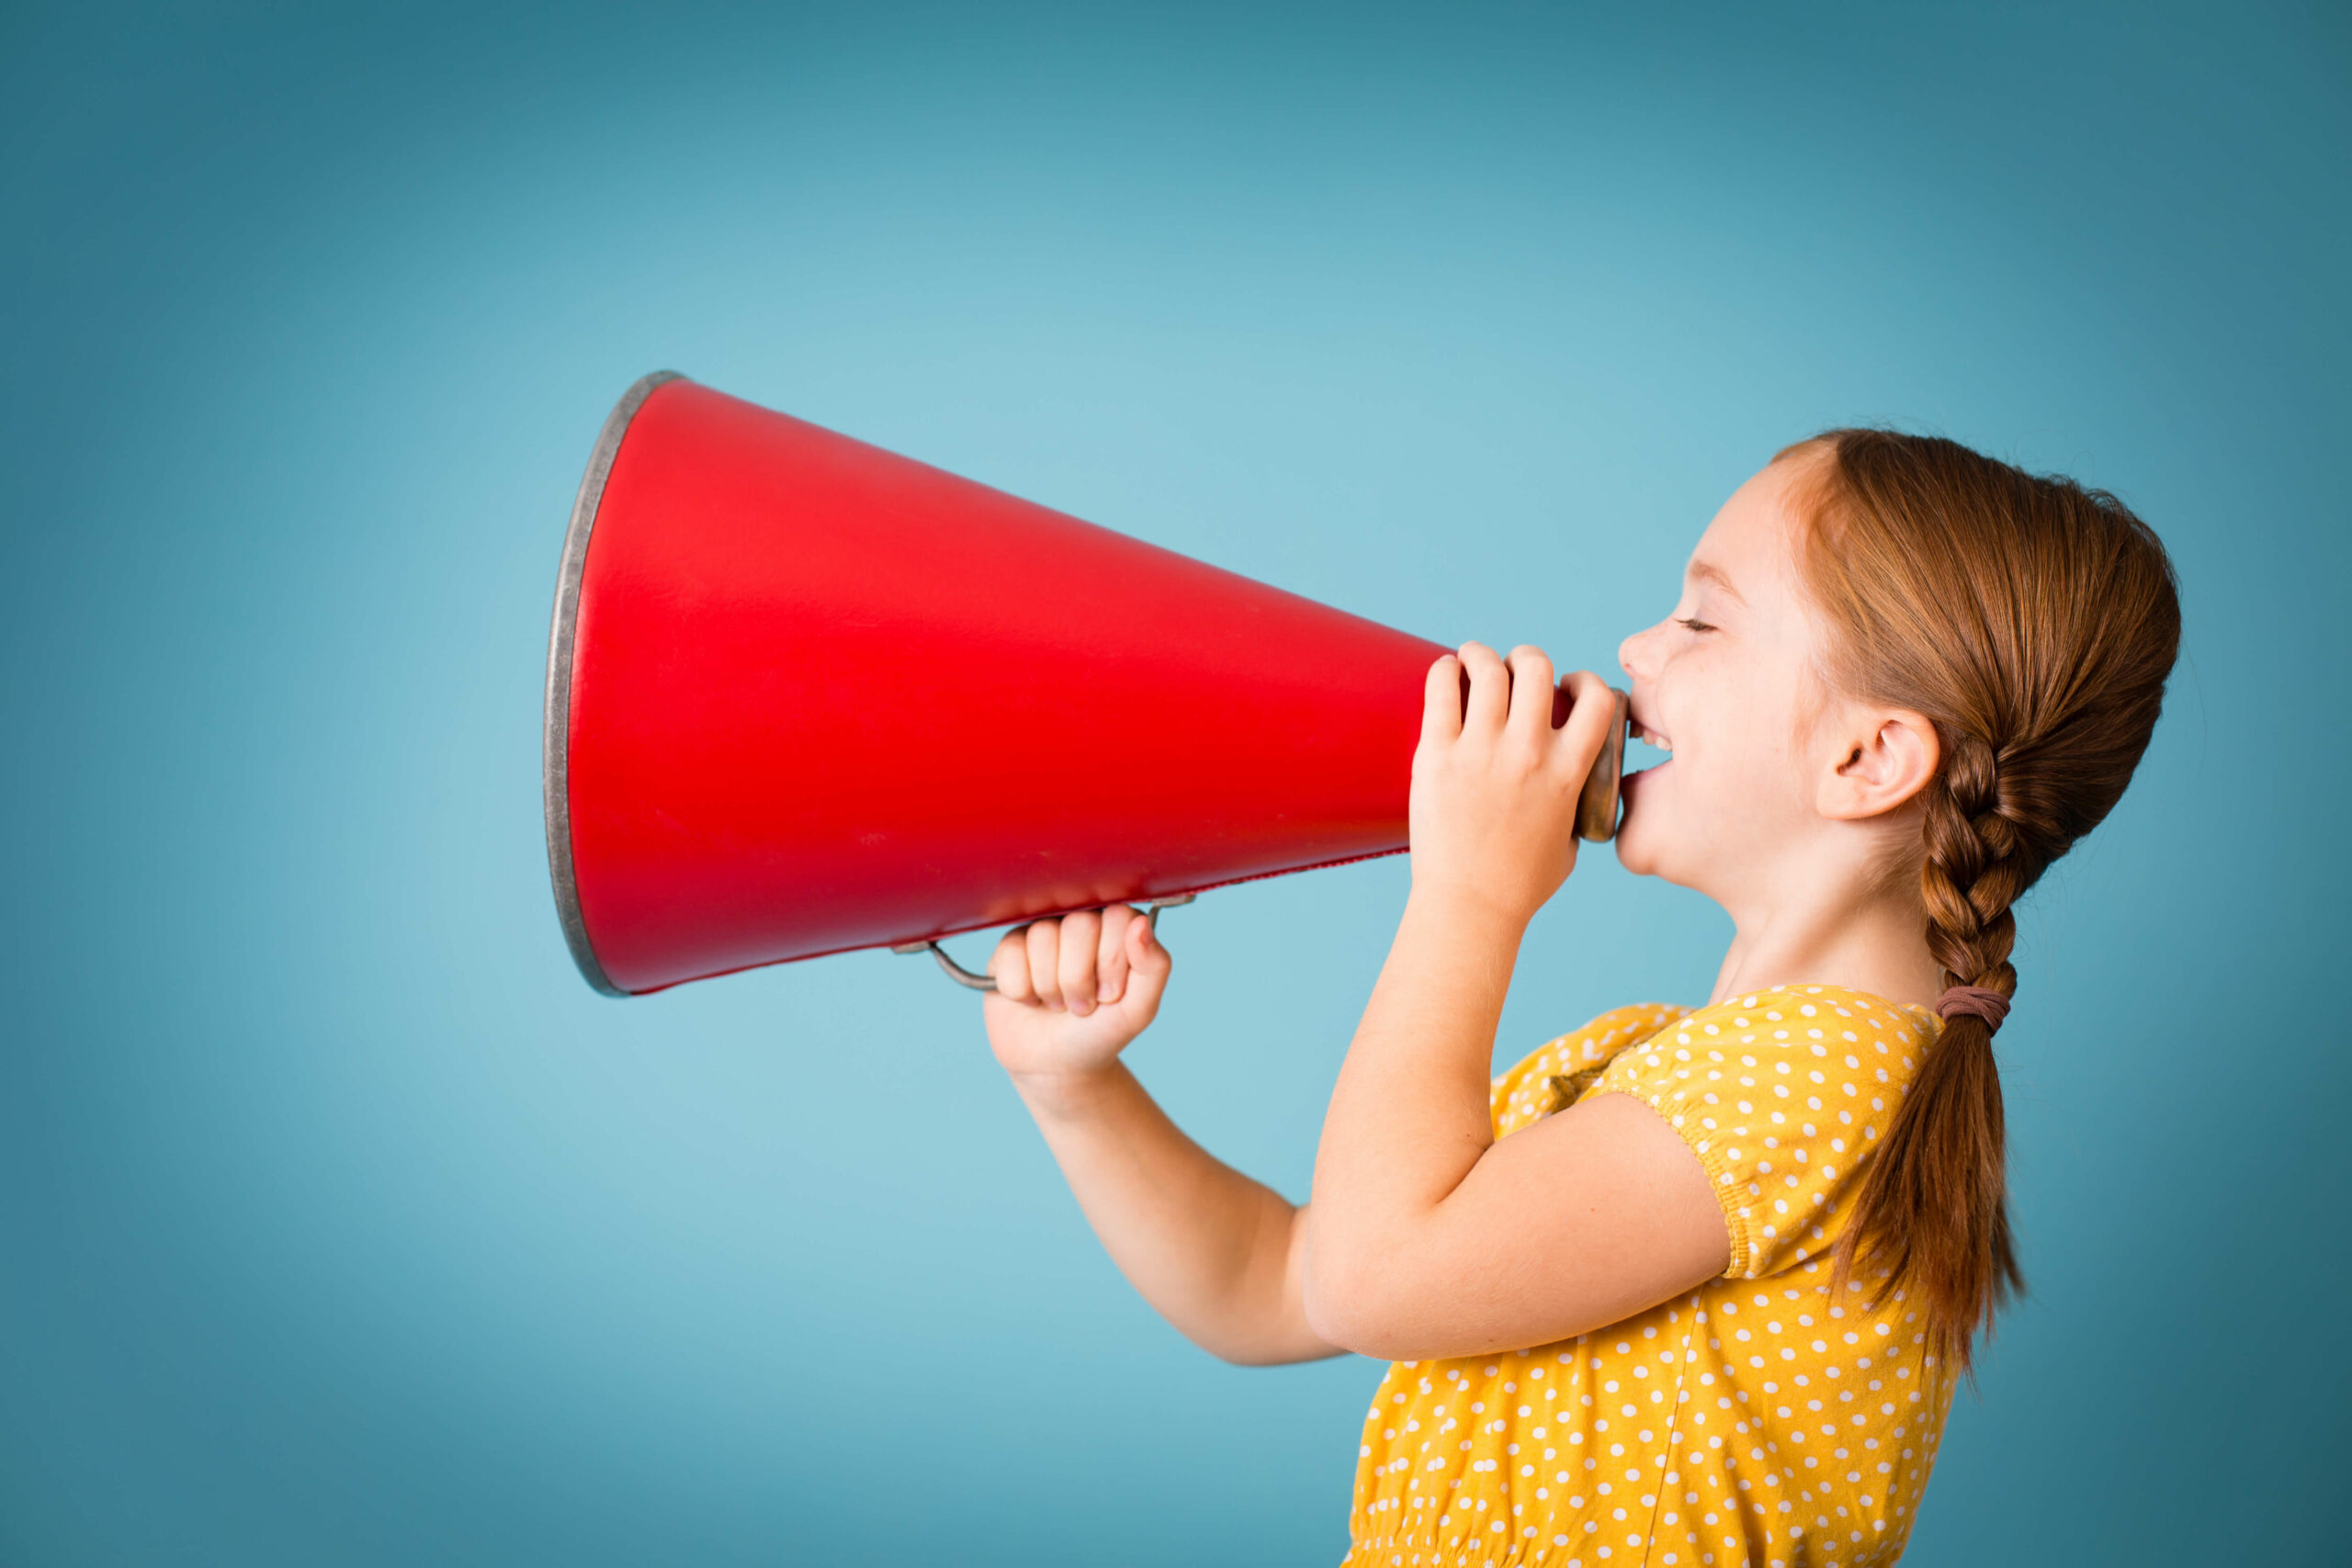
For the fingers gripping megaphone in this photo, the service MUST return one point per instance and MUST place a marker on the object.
(806, 696)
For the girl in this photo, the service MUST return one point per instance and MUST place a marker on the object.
(1684, 1287)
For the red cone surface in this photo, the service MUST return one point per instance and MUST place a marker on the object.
(819, 698)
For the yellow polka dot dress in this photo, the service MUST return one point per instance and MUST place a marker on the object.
(1755, 1423)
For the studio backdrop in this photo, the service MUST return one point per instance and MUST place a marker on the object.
(340, 1223)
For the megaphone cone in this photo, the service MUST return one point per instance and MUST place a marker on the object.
(805, 696)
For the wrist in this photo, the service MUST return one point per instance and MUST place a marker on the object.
(1068, 1094)
(1467, 910)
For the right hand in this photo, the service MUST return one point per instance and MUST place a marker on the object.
(1070, 993)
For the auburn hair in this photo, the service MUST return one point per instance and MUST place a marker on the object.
(2033, 622)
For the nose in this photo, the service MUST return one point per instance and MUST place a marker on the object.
(1633, 654)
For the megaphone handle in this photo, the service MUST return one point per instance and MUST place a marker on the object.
(964, 977)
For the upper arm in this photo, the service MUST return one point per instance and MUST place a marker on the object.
(1574, 1223)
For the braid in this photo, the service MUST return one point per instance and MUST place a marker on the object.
(1973, 870)
(1946, 1152)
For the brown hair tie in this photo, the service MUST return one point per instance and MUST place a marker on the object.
(1976, 1001)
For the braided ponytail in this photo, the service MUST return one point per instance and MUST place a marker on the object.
(2034, 623)
(1945, 1154)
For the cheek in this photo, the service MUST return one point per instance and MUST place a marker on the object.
(1761, 761)
(1746, 768)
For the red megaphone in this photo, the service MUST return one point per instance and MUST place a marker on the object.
(805, 696)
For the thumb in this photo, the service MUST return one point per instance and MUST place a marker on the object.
(1149, 965)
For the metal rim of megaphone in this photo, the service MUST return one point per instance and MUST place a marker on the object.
(966, 978)
(555, 732)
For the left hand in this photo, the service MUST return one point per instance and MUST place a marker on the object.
(1494, 802)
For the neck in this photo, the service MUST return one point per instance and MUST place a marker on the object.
(1832, 930)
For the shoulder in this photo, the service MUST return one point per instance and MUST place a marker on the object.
(1523, 1093)
(1780, 1094)
(1793, 1043)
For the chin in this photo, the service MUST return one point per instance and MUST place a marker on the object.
(1642, 860)
(1643, 849)
(1634, 851)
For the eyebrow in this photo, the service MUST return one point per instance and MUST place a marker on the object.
(1708, 571)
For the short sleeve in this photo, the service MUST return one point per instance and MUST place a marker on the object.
(1779, 1095)
(1524, 1094)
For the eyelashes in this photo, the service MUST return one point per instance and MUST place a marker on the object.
(1692, 623)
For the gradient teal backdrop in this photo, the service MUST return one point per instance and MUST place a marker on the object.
(341, 1224)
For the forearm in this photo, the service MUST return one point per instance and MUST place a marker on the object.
(1213, 1251)
(1409, 1115)
(1428, 1237)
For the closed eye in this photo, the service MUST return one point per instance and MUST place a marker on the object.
(1693, 623)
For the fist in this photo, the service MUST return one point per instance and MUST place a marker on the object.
(1495, 785)
(1071, 992)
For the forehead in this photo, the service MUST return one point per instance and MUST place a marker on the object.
(1749, 549)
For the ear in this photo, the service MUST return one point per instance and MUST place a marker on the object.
(1884, 757)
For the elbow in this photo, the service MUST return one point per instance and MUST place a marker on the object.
(1323, 1320)
(1258, 1345)
(1250, 1355)
(1351, 1307)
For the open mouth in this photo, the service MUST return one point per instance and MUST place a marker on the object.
(1649, 737)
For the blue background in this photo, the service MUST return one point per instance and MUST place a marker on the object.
(340, 1223)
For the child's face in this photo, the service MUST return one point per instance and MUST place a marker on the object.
(1727, 682)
